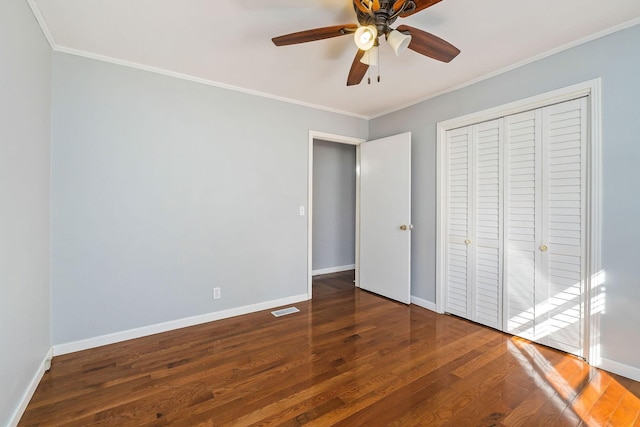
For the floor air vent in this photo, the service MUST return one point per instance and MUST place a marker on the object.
(285, 311)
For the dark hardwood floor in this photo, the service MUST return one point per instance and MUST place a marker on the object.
(349, 358)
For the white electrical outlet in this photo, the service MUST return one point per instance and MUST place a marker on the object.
(216, 293)
(301, 210)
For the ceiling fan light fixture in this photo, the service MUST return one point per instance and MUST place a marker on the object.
(366, 36)
(398, 41)
(370, 58)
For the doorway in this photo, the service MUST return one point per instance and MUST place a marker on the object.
(329, 147)
(334, 203)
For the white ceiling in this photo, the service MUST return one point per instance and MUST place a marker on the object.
(228, 43)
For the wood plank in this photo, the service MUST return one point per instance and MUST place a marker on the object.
(347, 358)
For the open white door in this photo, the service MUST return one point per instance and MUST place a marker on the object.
(385, 217)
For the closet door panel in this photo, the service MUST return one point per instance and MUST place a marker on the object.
(516, 224)
(486, 246)
(564, 127)
(522, 222)
(458, 210)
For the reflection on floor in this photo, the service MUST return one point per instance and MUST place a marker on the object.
(347, 358)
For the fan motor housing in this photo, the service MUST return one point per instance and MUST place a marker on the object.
(384, 16)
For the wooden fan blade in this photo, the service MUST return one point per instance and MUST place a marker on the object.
(429, 45)
(420, 5)
(315, 34)
(358, 69)
(398, 4)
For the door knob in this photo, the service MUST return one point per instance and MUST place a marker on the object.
(406, 227)
(467, 242)
(544, 248)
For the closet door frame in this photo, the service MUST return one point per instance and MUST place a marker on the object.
(593, 274)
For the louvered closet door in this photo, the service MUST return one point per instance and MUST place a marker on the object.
(522, 222)
(564, 135)
(458, 291)
(486, 230)
(545, 178)
(474, 220)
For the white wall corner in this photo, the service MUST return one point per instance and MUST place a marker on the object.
(85, 344)
(31, 389)
(424, 303)
(619, 368)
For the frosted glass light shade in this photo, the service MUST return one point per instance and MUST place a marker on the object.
(365, 37)
(370, 57)
(398, 41)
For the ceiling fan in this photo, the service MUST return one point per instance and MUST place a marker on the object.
(375, 18)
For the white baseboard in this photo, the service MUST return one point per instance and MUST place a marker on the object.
(424, 303)
(101, 340)
(620, 368)
(28, 394)
(337, 269)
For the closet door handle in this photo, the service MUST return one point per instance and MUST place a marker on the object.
(467, 242)
(544, 248)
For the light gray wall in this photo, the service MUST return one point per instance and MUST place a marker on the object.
(615, 58)
(164, 189)
(25, 101)
(334, 204)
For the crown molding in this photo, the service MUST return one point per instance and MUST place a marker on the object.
(182, 76)
(592, 37)
(77, 52)
(63, 49)
(43, 24)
